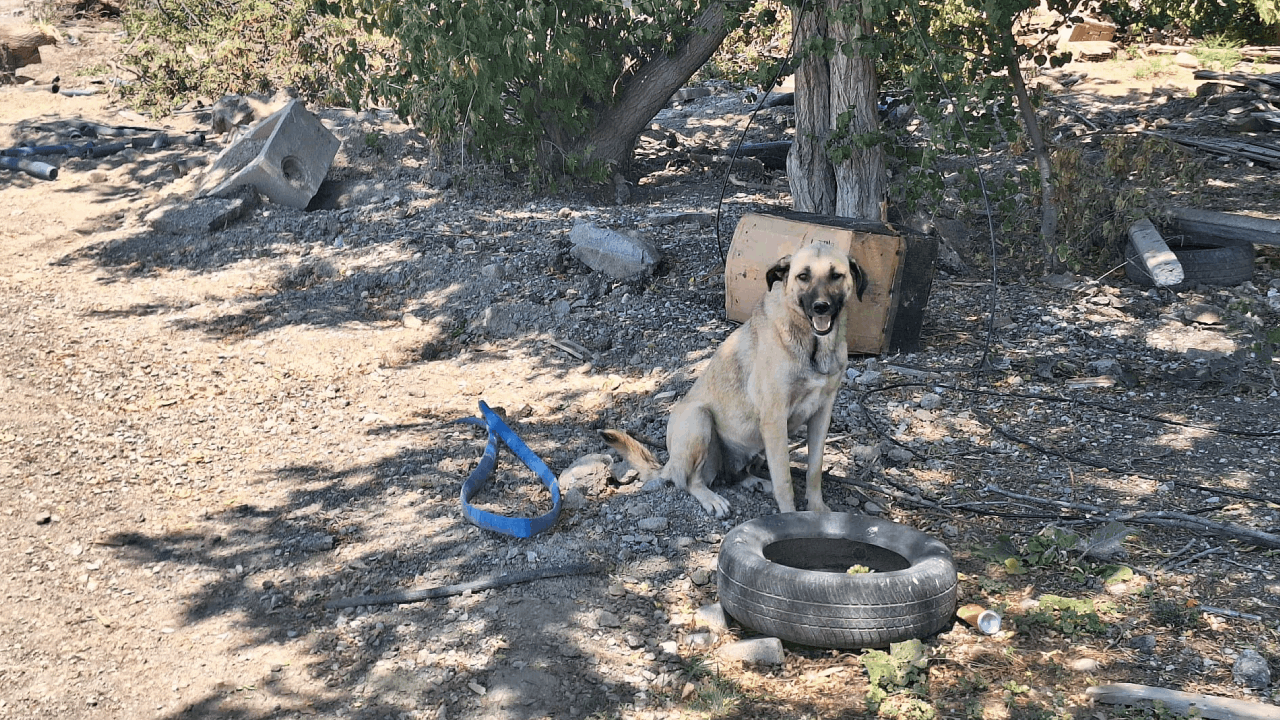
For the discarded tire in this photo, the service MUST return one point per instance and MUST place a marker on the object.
(787, 576)
(1205, 261)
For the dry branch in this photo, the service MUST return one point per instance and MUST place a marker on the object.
(1263, 154)
(1166, 518)
(1181, 703)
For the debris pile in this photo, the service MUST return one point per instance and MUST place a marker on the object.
(1249, 101)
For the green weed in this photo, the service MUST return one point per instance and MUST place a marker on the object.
(1154, 67)
(1218, 52)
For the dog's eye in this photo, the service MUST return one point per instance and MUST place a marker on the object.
(837, 276)
(803, 276)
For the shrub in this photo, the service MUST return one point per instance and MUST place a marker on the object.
(181, 49)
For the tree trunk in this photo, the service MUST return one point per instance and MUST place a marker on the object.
(809, 171)
(1048, 201)
(20, 44)
(837, 96)
(613, 139)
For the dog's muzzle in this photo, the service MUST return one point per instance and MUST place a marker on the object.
(822, 317)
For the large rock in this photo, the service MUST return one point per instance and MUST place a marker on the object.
(756, 651)
(1251, 670)
(613, 253)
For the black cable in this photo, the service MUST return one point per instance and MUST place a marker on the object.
(1084, 403)
(724, 183)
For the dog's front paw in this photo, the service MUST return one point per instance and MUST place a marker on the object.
(713, 503)
(817, 505)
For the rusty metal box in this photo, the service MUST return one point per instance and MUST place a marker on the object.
(898, 264)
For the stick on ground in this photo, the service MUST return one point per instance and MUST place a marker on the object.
(496, 581)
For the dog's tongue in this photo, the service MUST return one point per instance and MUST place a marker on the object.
(822, 323)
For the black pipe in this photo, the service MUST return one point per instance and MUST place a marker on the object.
(34, 168)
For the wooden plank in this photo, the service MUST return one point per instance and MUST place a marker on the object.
(1248, 51)
(1211, 707)
(919, 263)
(1161, 264)
(1228, 226)
(1249, 151)
(1092, 31)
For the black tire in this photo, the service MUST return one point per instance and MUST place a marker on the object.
(787, 576)
(1217, 262)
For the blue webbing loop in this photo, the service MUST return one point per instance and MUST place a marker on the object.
(516, 527)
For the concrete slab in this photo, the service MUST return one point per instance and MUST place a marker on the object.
(203, 215)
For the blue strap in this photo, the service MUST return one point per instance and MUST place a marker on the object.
(516, 527)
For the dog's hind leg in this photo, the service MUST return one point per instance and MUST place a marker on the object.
(695, 456)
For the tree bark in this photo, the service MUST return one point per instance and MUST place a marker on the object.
(613, 139)
(809, 171)
(837, 96)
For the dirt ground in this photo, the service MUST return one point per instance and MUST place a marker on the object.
(205, 437)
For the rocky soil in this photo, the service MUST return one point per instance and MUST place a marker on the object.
(205, 437)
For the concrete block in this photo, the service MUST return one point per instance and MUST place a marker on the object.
(285, 157)
(712, 618)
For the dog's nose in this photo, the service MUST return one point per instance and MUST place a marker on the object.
(822, 307)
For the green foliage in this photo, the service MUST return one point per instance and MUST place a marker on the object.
(181, 49)
(896, 678)
(1068, 616)
(1051, 546)
(1240, 19)
(1101, 192)
(752, 52)
(1268, 11)
(518, 81)
(1154, 67)
(1219, 52)
(1266, 346)
(951, 61)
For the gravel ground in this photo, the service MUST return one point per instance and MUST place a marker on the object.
(206, 437)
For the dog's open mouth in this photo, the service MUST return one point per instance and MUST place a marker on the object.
(822, 324)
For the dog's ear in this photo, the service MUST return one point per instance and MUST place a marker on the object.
(778, 272)
(859, 278)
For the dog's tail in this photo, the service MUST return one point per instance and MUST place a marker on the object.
(633, 453)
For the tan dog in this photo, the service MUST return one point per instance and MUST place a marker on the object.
(777, 372)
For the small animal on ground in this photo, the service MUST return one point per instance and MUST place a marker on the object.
(777, 372)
